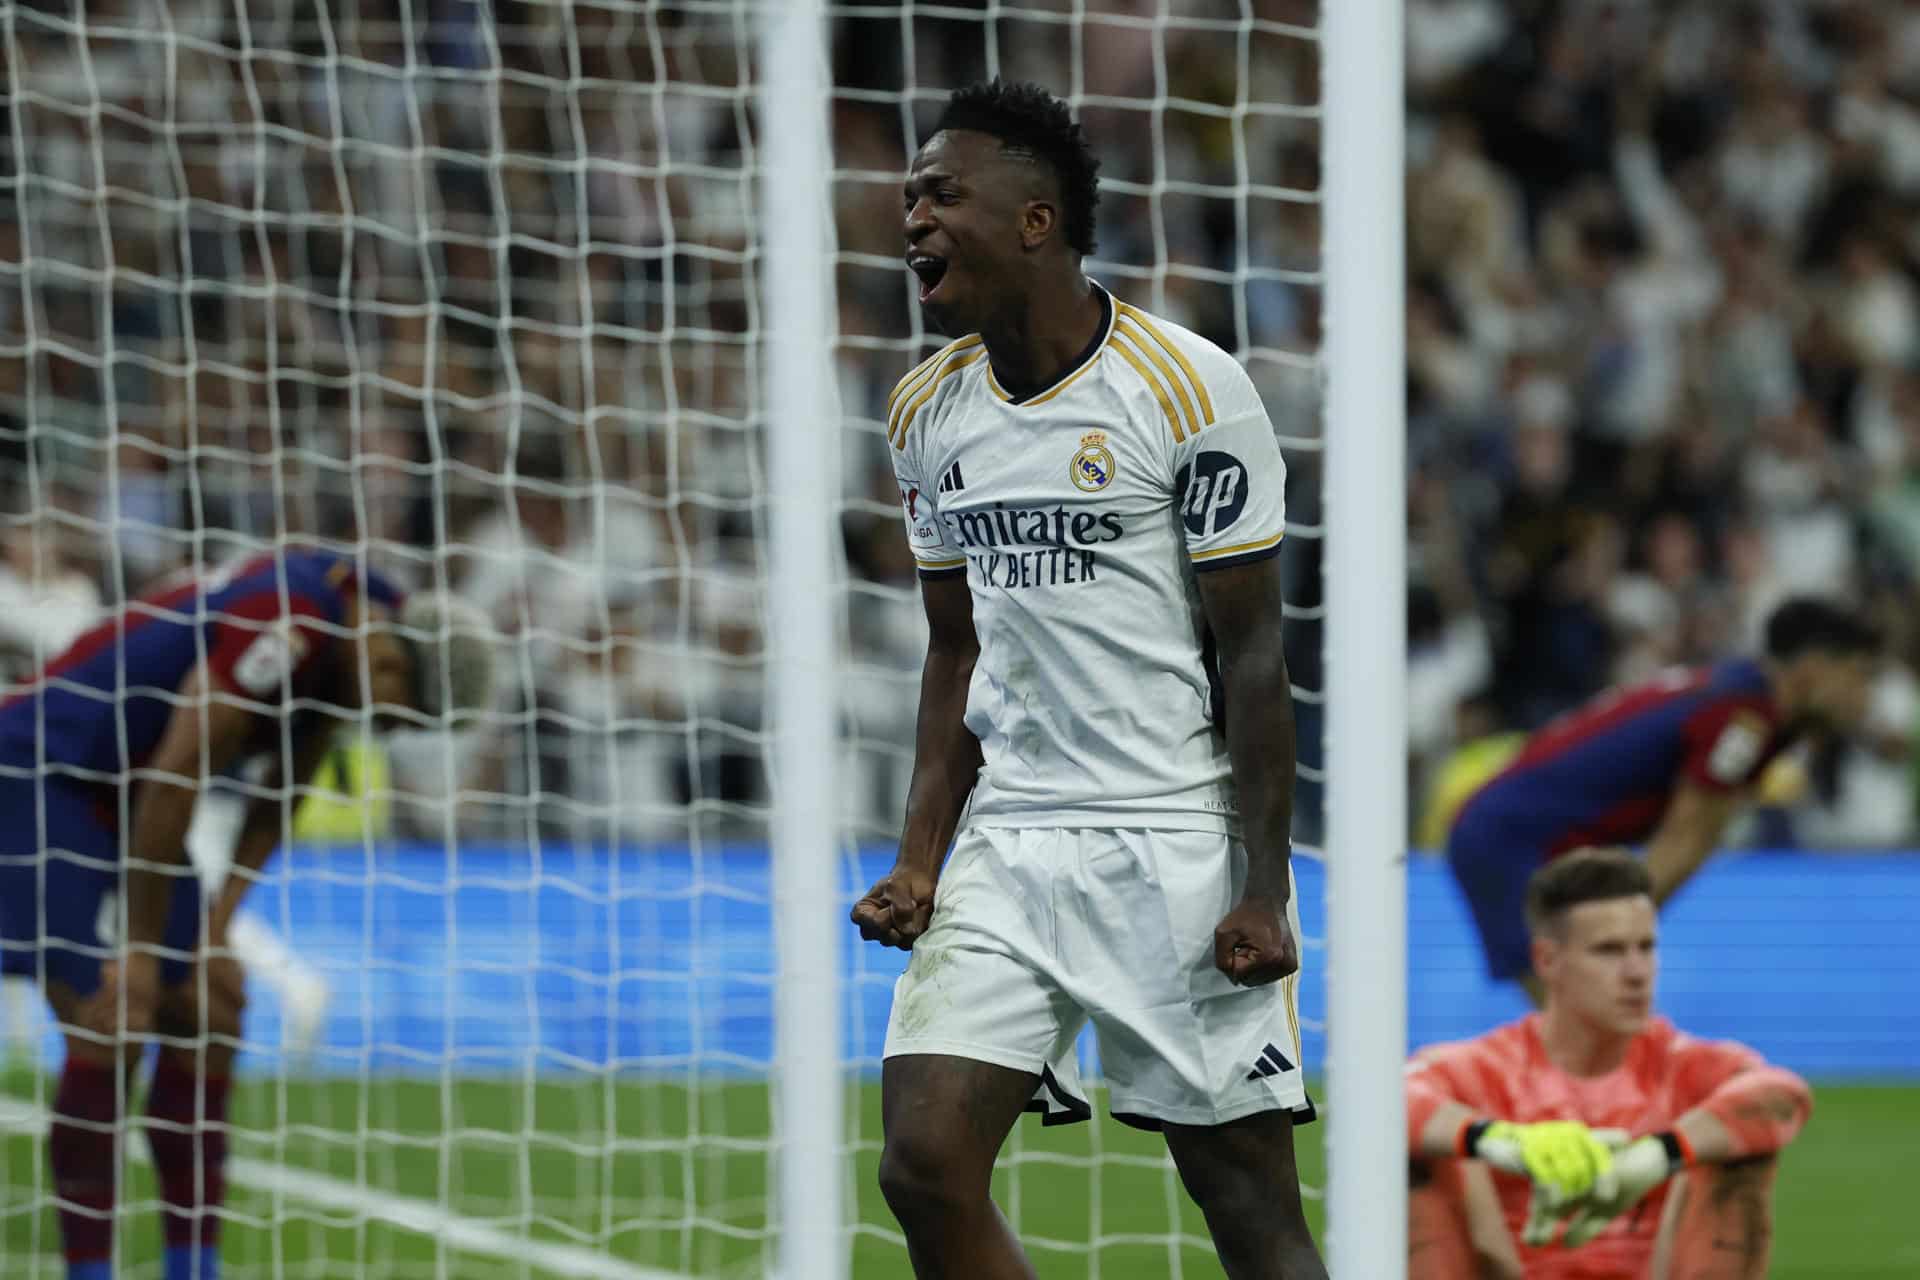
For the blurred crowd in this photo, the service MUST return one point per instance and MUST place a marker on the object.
(1663, 336)
(470, 287)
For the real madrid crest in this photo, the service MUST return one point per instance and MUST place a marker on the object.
(1092, 466)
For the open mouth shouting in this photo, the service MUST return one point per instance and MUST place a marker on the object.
(931, 268)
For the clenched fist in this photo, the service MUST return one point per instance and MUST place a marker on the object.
(1253, 944)
(897, 909)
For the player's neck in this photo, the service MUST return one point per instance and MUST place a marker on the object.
(1578, 1047)
(1034, 342)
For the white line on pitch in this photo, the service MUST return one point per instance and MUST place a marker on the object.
(421, 1216)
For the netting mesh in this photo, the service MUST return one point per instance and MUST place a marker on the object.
(467, 291)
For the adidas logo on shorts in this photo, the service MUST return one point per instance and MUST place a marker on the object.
(1271, 1062)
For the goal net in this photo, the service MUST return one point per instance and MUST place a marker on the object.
(469, 292)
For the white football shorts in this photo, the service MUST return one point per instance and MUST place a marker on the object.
(1037, 929)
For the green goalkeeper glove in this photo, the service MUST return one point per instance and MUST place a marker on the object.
(1639, 1165)
(1562, 1158)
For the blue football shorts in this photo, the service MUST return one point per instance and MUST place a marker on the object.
(60, 886)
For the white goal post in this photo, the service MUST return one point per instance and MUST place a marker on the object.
(586, 311)
(1362, 149)
(802, 413)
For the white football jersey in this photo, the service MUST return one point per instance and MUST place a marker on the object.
(1081, 516)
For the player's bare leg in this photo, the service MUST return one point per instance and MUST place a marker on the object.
(1718, 1223)
(83, 1138)
(945, 1120)
(1242, 1175)
(1455, 1229)
(1437, 1244)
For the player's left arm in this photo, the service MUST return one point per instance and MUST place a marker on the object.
(1746, 1106)
(1721, 1221)
(1230, 487)
(269, 816)
(1253, 944)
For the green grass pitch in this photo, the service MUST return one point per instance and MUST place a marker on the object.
(671, 1177)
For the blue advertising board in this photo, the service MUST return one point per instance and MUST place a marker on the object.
(490, 959)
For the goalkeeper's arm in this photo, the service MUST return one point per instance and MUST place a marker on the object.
(1562, 1157)
(1755, 1112)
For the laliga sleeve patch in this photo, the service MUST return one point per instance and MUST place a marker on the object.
(922, 534)
(1216, 493)
(1737, 750)
(269, 660)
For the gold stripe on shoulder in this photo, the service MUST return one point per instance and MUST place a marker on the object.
(913, 375)
(1200, 557)
(953, 364)
(1152, 379)
(1145, 321)
(904, 389)
(923, 373)
(1134, 334)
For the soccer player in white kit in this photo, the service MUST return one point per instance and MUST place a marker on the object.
(1095, 499)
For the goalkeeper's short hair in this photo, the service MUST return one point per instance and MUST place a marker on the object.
(452, 645)
(1585, 875)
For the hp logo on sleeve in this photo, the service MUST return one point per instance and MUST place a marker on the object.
(1216, 493)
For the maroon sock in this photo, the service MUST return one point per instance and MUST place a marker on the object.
(187, 1132)
(80, 1147)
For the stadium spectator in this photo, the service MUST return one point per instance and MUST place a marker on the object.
(46, 600)
(1663, 321)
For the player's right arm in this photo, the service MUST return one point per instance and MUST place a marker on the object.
(203, 736)
(946, 761)
(259, 644)
(946, 755)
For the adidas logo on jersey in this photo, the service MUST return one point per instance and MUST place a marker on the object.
(952, 482)
(1271, 1062)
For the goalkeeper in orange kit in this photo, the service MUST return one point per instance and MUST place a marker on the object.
(1592, 1140)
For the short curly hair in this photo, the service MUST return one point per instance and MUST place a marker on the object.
(1031, 122)
(1808, 625)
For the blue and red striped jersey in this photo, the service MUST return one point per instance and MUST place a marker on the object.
(268, 629)
(1605, 772)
